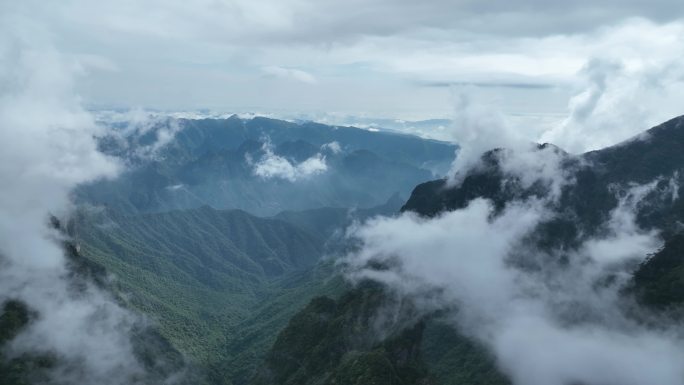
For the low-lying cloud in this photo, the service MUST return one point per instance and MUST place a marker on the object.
(139, 134)
(47, 147)
(619, 100)
(556, 325)
(477, 128)
(333, 147)
(272, 165)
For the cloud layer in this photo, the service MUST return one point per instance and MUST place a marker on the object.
(556, 324)
(48, 146)
(550, 317)
(380, 57)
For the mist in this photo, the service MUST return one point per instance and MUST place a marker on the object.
(271, 165)
(549, 317)
(48, 146)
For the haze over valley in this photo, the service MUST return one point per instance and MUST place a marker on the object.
(341, 193)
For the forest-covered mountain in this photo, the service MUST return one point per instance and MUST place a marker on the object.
(263, 166)
(242, 298)
(437, 351)
(656, 156)
(159, 359)
(220, 283)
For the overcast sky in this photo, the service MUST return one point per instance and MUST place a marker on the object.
(384, 58)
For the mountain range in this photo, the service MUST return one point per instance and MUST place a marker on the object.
(238, 270)
(438, 352)
(260, 165)
(220, 257)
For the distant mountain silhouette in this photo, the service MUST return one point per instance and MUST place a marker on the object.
(212, 162)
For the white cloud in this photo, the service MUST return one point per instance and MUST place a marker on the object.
(333, 147)
(467, 262)
(175, 187)
(217, 51)
(274, 166)
(129, 127)
(623, 237)
(627, 86)
(290, 73)
(47, 147)
(478, 128)
(95, 62)
(621, 98)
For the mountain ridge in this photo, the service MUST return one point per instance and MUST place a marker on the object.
(215, 162)
(581, 207)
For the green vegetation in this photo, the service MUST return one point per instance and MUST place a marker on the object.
(342, 342)
(226, 288)
(585, 204)
(220, 284)
(455, 360)
(659, 282)
(23, 369)
(349, 341)
(211, 162)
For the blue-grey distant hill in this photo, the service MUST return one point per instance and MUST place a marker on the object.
(213, 162)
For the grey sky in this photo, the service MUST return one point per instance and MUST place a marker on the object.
(387, 58)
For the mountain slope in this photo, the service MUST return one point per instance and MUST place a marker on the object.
(220, 283)
(581, 209)
(659, 282)
(197, 271)
(214, 162)
(657, 156)
(159, 360)
(339, 342)
(198, 136)
(328, 222)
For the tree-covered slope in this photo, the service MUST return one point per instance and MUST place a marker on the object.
(198, 272)
(214, 162)
(659, 282)
(367, 337)
(330, 222)
(211, 135)
(453, 359)
(219, 283)
(159, 360)
(342, 342)
(597, 180)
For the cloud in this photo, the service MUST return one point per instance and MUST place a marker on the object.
(217, 51)
(334, 22)
(333, 147)
(626, 86)
(96, 62)
(274, 166)
(620, 100)
(623, 238)
(470, 263)
(490, 83)
(587, 356)
(478, 128)
(140, 134)
(175, 187)
(556, 324)
(289, 73)
(165, 132)
(47, 147)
